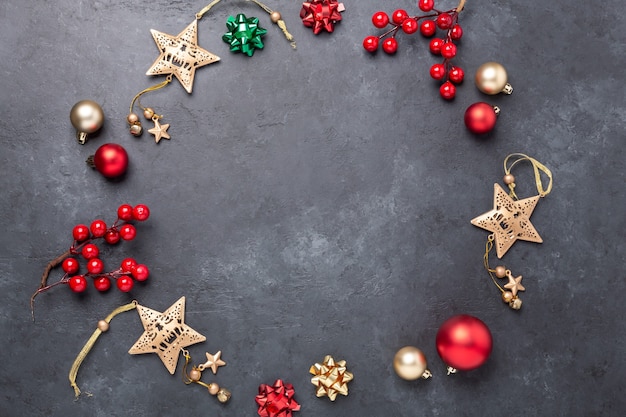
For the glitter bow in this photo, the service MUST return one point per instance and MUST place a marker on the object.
(244, 34)
(321, 14)
(331, 378)
(277, 400)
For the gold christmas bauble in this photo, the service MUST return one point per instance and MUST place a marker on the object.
(491, 78)
(410, 363)
(87, 116)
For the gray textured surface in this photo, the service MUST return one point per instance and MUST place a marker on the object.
(316, 202)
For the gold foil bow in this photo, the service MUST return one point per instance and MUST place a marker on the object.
(330, 378)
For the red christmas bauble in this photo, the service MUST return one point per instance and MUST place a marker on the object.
(464, 342)
(111, 160)
(480, 118)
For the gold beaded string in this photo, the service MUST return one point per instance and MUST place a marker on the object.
(275, 17)
(222, 394)
(103, 326)
(133, 119)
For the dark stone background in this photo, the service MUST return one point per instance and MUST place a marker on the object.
(316, 201)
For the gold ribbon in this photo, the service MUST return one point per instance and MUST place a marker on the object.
(538, 168)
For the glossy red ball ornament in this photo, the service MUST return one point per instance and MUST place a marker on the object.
(125, 283)
(398, 16)
(438, 71)
(435, 46)
(426, 5)
(447, 90)
(112, 237)
(125, 212)
(78, 283)
(90, 251)
(102, 283)
(456, 75)
(464, 342)
(480, 118)
(140, 272)
(95, 266)
(370, 43)
(80, 232)
(448, 50)
(128, 232)
(456, 32)
(70, 266)
(410, 26)
(111, 160)
(141, 212)
(444, 21)
(98, 228)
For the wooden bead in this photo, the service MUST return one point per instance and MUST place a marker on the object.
(508, 179)
(132, 118)
(275, 17)
(500, 271)
(103, 326)
(148, 113)
(195, 375)
(213, 388)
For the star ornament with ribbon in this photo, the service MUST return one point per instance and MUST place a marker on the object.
(244, 34)
(276, 400)
(330, 378)
(509, 220)
(321, 14)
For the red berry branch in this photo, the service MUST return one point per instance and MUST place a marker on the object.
(427, 24)
(83, 245)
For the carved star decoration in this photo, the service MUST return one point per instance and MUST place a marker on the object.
(165, 334)
(514, 284)
(509, 220)
(159, 130)
(180, 55)
(213, 362)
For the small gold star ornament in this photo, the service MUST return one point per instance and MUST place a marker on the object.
(213, 362)
(180, 55)
(165, 334)
(330, 378)
(159, 130)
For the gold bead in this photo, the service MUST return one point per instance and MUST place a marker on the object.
(275, 17)
(103, 326)
(213, 388)
(136, 130)
(223, 395)
(148, 113)
(132, 119)
(409, 363)
(195, 374)
(507, 296)
(508, 179)
(491, 78)
(500, 271)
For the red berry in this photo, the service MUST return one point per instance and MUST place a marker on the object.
(80, 232)
(398, 16)
(435, 46)
(447, 90)
(78, 283)
(102, 283)
(70, 266)
(95, 266)
(125, 283)
(448, 50)
(140, 272)
(125, 212)
(111, 160)
(90, 251)
(380, 19)
(480, 118)
(390, 45)
(426, 5)
(141, 212)
(456, 75)
(428, 28)
(370, 43)
(456, 32)
(112, 237)
(444, 21)
(438, 71)
(128, 232)
(98, 228)
(410, 26)
(127, 264)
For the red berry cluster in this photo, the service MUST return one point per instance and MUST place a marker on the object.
(83, 245)
(427, 24)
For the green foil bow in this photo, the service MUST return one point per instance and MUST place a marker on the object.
(244, 34)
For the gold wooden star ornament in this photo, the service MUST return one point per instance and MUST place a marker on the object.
(509, 220)
(180, 55)
(165, 334)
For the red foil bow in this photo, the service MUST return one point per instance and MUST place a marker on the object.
(321, 14)
(277, 400)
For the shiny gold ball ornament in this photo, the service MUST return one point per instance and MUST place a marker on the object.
(410, 364)
(491, 78)
(86, 117)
